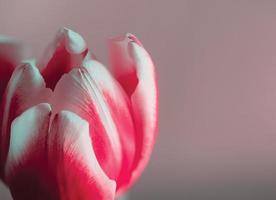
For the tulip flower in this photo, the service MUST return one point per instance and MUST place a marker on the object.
(70, 128)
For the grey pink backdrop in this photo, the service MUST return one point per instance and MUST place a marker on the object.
(216, 64)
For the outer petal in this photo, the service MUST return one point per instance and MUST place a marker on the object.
(67, 51)
(12, 52)
(26, 168)
(71, 154)
(134, 69)
(83, 97)
(118, 104)
(25, 89)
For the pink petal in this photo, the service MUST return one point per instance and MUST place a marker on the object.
(72, 158)
(12, 52)
(79, 93)
(118, 104)
(66, 52)
(135, 71)
(26, 167)
(60, 165)
(25, 89)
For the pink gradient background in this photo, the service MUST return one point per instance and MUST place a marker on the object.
(216, 63)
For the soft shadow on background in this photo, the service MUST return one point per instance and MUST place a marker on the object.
(216, 64)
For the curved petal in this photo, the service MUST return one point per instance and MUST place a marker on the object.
(12, 52)
(135, 71)
(66, 52)
(26, 168)
(25, 89)
(118, 104)
(84, 98)
(72, 158)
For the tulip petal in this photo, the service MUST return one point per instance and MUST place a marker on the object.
(118, 104)
(25, 89)
(72, 157)
(26, 167)
(135, 71)
(66, 52)
(12, 52)
(84, 98)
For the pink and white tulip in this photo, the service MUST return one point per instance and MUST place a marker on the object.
(70, 129)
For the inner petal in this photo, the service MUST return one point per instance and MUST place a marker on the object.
(66, 52)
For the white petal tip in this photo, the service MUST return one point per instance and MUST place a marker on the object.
(74, 41)
(28, 67)
(70, 117)
(31, 62)
(132, 38)
(126, 38)
(7, 40)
